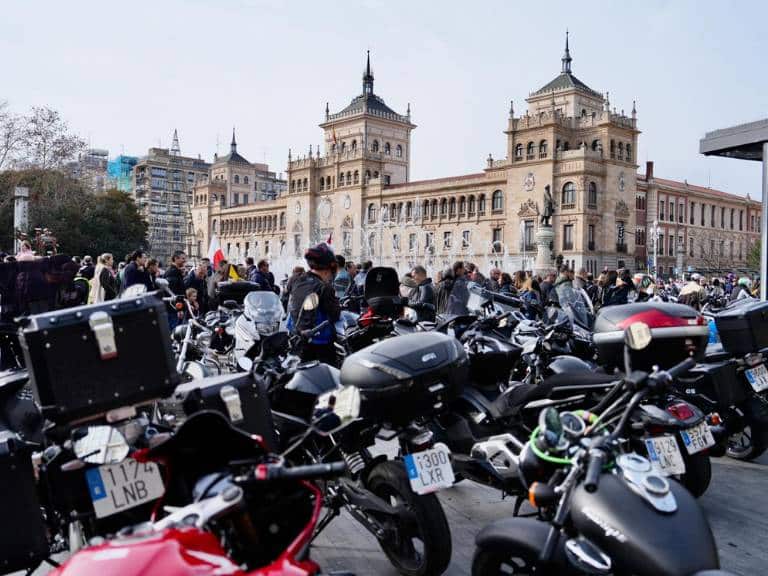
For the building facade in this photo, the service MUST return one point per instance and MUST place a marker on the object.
(240, 202)
(698, 229)
(91, 169)
(162, 187)
(356, 190)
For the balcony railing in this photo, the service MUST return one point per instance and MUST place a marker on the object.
(528, 247)
(621, 248)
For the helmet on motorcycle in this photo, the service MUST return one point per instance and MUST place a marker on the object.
(695, 276)
(746, 282)
(320, 257)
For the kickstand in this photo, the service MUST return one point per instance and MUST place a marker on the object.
(324, 521)
(518, 505)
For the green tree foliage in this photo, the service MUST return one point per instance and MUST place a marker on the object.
(753, 256)
(82, 223)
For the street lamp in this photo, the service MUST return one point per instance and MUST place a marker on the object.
(655, 231)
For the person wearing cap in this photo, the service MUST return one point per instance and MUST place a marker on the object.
(318, 280)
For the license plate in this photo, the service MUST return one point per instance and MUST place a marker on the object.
(430, 470)
(697, 438)
(122, 486)
(758, 377)
(665, 455)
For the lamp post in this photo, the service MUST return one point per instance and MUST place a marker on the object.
(655, 230)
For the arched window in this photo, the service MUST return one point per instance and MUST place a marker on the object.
(293, 185)
(385, 213)
(519, 152)
(613, 149)
(408, 211)
(394, 211)
(629, 152)
(543, 149)
(215, 226)
(569, 194)
(367, 176)
(592, 197)
(530, 150)
(354, 145)
(595, 145)
(452, 207)
(349, 178)
(621, 150)
(443, 207)
(583, 113)
(497, 201)
(306, 183)
(343, 147)
(246, 180)
(376, 174)
(322, 183)
(471, 205)
(387, 149)
(282, 220)
(237, 179)
(375, 146)
(434, 209)
(371, 213)
(356, 177)
(481, 204)
(566, 146)
(462, 205)
(399, 151)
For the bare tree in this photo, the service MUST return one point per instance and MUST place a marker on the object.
(47, 140)
(12, 135)
(713, 256)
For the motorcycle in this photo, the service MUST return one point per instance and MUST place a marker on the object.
(230, 506)
(601, 510)
(262, 315)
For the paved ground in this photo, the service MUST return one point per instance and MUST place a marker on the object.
(736, 505)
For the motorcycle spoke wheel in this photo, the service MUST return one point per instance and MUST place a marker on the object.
(740, 444)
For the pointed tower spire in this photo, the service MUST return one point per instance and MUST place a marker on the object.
(634, 109)
(233, 144)
(566, 57)
(368, 76)
(327, 111)
(175, 148)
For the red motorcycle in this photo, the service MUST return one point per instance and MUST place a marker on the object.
(232, 508)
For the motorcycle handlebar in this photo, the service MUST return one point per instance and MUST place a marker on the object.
(268, 472)
(307, 334)
(667, 375)
(594, 469)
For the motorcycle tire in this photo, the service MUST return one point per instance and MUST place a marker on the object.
(752, 442)
(698, 472)
(423, 548)
(492, 563)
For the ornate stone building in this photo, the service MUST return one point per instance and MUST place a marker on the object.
(357, 192)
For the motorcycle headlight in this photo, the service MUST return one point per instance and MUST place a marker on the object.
(267, 328)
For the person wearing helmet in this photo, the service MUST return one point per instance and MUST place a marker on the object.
(318, 280)
(742, 289)
(693, 293)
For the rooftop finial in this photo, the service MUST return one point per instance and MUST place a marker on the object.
(634, 109)
(408, 112)
(368, 76)
(511, 108)
(567, 56)
(233, 144)
(327, 111)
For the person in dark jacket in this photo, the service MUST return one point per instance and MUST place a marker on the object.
(619, 292)
(422, 297)
(297, 271)
(175, 277)
(443, 290)
(87, 269)
(135, 271)
(262, 277)
(319, 280)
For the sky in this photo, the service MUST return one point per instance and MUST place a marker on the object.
(126, 74)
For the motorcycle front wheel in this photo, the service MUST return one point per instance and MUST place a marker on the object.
(419, 545)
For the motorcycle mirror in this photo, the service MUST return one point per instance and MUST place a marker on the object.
(551, 427)
(99, 445)
(244, 364)
(637, 336)
(336, 410)
(311, 302)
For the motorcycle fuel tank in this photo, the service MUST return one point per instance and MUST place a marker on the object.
(639, 539)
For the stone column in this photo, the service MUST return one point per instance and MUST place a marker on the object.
(545, 235)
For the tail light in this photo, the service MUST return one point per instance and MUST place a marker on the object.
(179, 306)
(219, 330)
(681, 411)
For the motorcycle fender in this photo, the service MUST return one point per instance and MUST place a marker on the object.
(522, 534)
(370, 466)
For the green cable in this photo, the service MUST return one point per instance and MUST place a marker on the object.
(543, 455)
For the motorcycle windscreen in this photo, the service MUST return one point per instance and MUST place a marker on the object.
(576, 303)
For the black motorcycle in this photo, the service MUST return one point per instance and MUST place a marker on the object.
(603, 511)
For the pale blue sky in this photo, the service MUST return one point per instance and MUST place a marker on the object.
(125, 74)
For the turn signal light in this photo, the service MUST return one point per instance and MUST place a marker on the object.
(541, 495)
(179, 306)
(715, 419)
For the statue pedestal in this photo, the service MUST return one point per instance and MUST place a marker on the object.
(544, 237)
